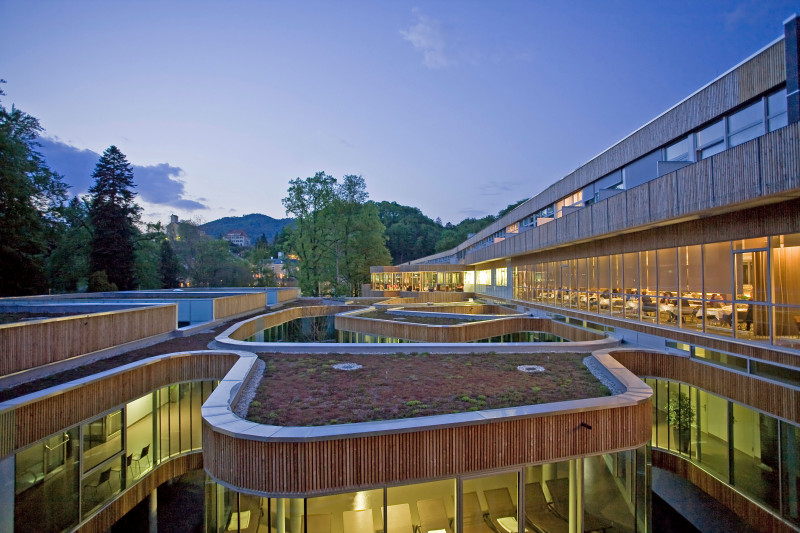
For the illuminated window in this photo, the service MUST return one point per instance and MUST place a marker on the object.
(500, 276)
(484, 277)
(469, 278)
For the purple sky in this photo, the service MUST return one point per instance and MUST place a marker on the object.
(456, 107)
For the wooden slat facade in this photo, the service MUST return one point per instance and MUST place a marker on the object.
(463, 332)
(762, 73)
(276, 318)
(764, 352)
(338, 464)
(287, 294)
(763, 170)
(768, 396)
(758, 517)
(33, 344)
(238, 304)
(37, 419)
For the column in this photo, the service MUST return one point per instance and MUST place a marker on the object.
(152, 511)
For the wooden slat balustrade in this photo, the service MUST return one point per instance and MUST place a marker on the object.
(33, 344)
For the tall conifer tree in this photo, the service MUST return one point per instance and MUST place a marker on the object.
(114, 215)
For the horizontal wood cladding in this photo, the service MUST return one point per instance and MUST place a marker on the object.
(758, 75)
(462, 332)
(238, 304)
(32, 344)
(173, 468)
(764, 352)
(260, 323)
(765, 169)
(749, 390)
(38, 419)
(338, 464)
(759, 518)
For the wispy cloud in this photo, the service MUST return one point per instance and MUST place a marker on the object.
(735, 17)
(426, 36)
(160, 184)
(498, 188)
(472, 212)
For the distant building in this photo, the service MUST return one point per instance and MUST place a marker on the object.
(238, 237)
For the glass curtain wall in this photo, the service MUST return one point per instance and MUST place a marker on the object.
(68, 476)
(748, 289)
(752, 451)
(534, 498)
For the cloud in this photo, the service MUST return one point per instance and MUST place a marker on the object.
(427, 37)
(471, 212)
(735, 17)
(498, 188)
(156, 184)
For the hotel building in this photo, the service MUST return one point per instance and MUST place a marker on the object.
(682, 242)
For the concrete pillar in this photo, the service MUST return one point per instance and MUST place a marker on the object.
(280, 504)
(152, 511)
(576, 495)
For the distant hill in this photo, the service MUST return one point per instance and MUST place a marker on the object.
(254, 224)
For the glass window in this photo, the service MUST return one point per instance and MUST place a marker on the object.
(790, 482)
(678, 151)
(642, 170)
(786, 269)
(48, 468)
(755, 455)
(102, 438)
(491, 500)
(501, 277)
(609, 181)
(776, 110)
(484, 277)
(421, 507)
(617, 302)
(710, 135)
(667, 284)
(717, 270)
(746, 124)
(713, 427)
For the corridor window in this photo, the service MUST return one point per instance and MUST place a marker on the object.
(711, 140)
(747, 124)
(776, 110)
(484, 277)
(501, 276)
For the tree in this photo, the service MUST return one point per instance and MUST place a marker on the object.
(31, 198)
(114, 215)
(68, 262)
(359, 236)
(307, 200)
(168, 266)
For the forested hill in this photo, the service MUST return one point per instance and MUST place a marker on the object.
(254, 224)
(411, 235)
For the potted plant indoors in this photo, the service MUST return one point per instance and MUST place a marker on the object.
(680, 417)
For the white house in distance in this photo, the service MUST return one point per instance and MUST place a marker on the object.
(238, 237)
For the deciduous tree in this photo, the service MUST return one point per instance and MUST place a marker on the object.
(31, 198)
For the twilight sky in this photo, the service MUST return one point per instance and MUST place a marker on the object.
(456, 107)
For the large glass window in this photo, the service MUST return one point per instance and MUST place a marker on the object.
(713, 433)
(102, 438)
(678, 151)
(484, 277)
(711, 140)
(491, 500)
(48, 468)
(790, 482)
(425, 507)
(631, 279)
(746, 124)
(501, 277)
(776, 110)
(755, 455)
